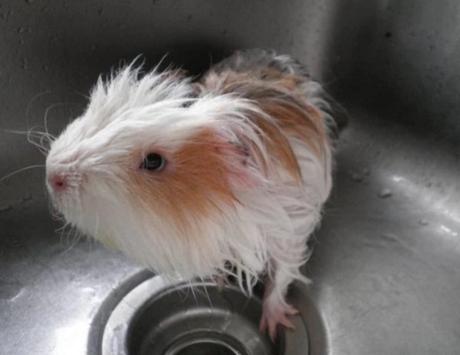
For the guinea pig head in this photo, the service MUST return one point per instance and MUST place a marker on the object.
(153, 172)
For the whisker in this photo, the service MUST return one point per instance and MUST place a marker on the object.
(42, 149)
(31, 134)
(185, 291)
(192, 290)
(60, 229)
(37, 96)
(41, 140)
(72, 238)
(40, 134)
(20, 171)
(29, 131)
(47, 111)
(206, 293)
(80, 94)
(37, 134)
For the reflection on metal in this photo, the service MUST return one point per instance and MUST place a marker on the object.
(71, 339)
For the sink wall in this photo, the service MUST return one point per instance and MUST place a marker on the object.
(387, 260)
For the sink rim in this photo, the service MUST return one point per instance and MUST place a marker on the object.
(308, 338)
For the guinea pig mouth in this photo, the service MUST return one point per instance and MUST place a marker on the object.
(65, 198)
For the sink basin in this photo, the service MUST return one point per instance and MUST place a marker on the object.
(386, 261)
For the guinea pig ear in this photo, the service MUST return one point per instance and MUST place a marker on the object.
(246, 161)
(261, 149)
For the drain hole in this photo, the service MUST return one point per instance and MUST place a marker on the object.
(205, 347)
(214, 322)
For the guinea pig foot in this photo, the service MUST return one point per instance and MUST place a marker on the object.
(275, 316)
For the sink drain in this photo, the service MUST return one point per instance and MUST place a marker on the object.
(159, 317)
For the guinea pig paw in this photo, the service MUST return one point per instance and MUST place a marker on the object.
(275, 316)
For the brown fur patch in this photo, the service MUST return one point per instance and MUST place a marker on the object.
(279, 147)
(300, 121)
(280, 96)
(194, 183)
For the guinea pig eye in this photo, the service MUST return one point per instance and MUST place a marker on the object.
(153, 162)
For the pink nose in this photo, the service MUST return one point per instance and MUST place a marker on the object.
(58, 182)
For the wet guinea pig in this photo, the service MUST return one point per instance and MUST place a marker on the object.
(189, 177)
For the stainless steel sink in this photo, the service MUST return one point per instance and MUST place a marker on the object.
(386, 265)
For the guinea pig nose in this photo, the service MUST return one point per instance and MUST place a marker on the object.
(58, 181)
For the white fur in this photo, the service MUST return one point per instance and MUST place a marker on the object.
(267, 231)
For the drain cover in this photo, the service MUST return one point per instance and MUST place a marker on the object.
(162, 318)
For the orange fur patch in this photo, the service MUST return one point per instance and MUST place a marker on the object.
(300, 121)
(194, 183)
(279, 147)
(278, 95)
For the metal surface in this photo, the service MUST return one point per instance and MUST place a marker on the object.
(160, 317)
(386, 266)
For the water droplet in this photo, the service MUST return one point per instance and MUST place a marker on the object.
(100, 11)
(91, 292)
(390, 237)
(423, 222)
(6, 16)
(5, 207)
(12, 242)
(357, 177)
(20, 29)
(385, 193)
(26, 198)
(45, 68)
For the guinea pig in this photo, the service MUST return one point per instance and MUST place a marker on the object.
(188, 177)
